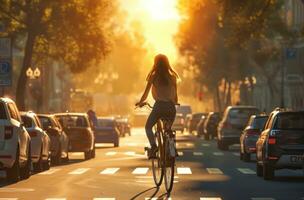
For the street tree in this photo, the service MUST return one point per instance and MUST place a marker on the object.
(68, 31)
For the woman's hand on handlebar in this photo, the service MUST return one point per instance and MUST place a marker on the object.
(142, 104)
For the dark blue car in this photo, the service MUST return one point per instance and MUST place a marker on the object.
(107, 131)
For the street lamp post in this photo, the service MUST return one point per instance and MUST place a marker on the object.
(33, 75)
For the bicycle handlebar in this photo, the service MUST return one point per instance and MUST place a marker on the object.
(149, 105)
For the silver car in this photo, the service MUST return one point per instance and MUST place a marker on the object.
(232, 124)
(40, 142)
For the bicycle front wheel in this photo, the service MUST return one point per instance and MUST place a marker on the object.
(157, 169)
(169, 167)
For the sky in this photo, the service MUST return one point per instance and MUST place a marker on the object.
(159, 20)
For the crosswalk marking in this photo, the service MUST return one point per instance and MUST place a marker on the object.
(79, 171)
(111, 153)
(218, 153)
(49, 172)
(104, 199)
(262, 198)
(180, 153)
(246, 170)
(205, 145)
(130, 153)
(198, 153)
(141, 170)
(236, 154)
(109, 171)
(210, 198)
(8, 198)
(184, 170)
(155, 198)
(55, 199)
(214, 171)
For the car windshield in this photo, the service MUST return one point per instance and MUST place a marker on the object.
(28, 122)
(46, 122)
(242, 112)
(259, 122)
(72, 121)
(105, 123)
(290, 121)
(197, 116)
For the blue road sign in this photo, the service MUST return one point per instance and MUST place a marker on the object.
(5, 72)
(291, 53)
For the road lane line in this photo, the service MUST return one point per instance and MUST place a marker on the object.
(198, 153)
(79, 171)
(49, 172)
(8, 198)
(236, 154)
(184, 170)
(205, 145)
(210, 198)
(13, 190)
(130, 153)
(246, 170)
(111, 153)
(141, 170)
(109, 171)
(214, 171)
(218, 153)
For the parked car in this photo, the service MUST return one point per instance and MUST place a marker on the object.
(250, 136)
(179, 123)
(107, 131)
(80, 133)
(59, 139)
(40, 142)
(194, 120)
(210, 125)
(15, 148)
(184, 110)
(233, 123)
(200, 126)
(281, 144)
(124, 126)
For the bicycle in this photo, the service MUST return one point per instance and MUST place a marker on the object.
(163, 166)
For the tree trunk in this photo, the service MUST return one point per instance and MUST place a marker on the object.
(22, 80)
(228, 96)
(218, 99)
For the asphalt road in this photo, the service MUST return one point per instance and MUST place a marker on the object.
(203, 172)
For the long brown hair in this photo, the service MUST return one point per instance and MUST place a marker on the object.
(162, 70)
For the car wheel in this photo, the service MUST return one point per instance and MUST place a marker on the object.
(46, 164)
(38, 167)
(246, 157)
(13, 173)
(57, 158)
(93, 152)
(25, 172)
(259, 170)
(268, 172)
(116, 143)
(87, 155)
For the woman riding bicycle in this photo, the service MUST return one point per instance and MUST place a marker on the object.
(163, 80)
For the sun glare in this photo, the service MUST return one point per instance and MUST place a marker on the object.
(159, 20)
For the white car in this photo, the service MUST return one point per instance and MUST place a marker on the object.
(15, 147)
(40, 142)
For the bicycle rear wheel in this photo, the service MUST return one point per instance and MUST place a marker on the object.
(157, 169)
(169, 166)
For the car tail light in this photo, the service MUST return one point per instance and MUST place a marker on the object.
(227, 125)
(271, 140)
(8, 132)
(33, 133)
(272, 158)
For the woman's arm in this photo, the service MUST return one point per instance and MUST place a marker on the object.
(146, 93)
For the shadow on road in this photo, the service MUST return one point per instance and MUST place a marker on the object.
(289, 179)
(155, 190)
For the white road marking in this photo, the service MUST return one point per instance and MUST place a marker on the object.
(132, 144)
(189, 144)
(184, 170)
(246, 170)
(109, 171)
(210, 198)
(130, 153)
(262, 198)
(218, 153)
(76, 153)
(111, 153)
(155, 198)
(205, 145)
(55, 199)
(236, 154)
(141, 170)
(8, 198)
(79, 171)
(180, 153)
(214, 171)
(50, 171)
(104, 199)
(198, 153)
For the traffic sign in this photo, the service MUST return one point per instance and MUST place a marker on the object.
(291, 53)
(5, 72)
(5, 47)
